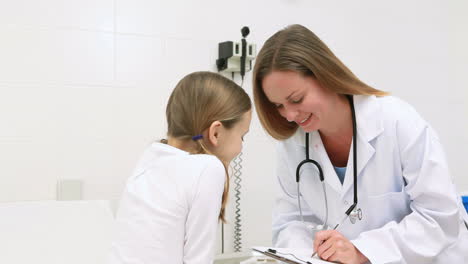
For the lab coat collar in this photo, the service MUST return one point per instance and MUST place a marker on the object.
(369, 126)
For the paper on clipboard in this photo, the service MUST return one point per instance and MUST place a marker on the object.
(291, 255)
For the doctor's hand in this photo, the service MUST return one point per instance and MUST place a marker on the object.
(331, 245)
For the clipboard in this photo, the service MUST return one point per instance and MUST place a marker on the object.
(290, 256)
(277, 257)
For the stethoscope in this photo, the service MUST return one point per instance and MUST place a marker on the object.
(353, 212)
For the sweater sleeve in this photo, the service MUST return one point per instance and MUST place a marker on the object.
(202, 220)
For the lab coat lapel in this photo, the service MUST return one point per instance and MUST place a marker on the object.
(365, 151)
(369, 126)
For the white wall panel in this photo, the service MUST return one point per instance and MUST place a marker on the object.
(139, 59)
(56, 56)
(84, 14)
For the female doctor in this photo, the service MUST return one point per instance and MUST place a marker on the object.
(407, 207)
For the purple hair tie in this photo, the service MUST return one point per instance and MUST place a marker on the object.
(197, 137)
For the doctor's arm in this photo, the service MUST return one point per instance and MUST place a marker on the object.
(433, 224)
(288, 229)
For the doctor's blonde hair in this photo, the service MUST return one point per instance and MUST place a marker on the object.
(298, 49)
(200, 99)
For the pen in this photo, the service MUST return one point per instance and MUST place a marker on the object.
(336, 226)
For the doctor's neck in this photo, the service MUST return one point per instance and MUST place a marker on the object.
(338, 120)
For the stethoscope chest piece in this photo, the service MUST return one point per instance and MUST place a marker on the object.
(355, 215)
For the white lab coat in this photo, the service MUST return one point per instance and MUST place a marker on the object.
(169, 209)
(411, 211)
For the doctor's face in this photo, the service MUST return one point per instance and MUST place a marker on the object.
(299, 98)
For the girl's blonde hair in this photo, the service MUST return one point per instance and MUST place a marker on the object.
(200, 99)
(298, 49)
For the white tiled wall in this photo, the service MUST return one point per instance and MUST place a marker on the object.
(56, 55)
(139, 59)
(83, 84)
(94, 15)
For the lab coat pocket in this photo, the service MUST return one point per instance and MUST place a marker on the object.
(378, 210)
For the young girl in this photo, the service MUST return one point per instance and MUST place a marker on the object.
(172, 203)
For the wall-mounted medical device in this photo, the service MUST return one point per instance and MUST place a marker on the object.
(236, 56)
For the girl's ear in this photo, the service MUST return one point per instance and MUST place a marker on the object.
(213, 133)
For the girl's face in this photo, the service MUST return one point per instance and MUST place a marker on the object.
(230, 141)
(299, 98)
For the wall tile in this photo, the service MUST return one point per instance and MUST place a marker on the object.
(84, 14)
(65, 56)
(186, 56)
(206, 19)
(139, 59)
(28, 171)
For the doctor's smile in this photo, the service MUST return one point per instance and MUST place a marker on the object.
(305, 121)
